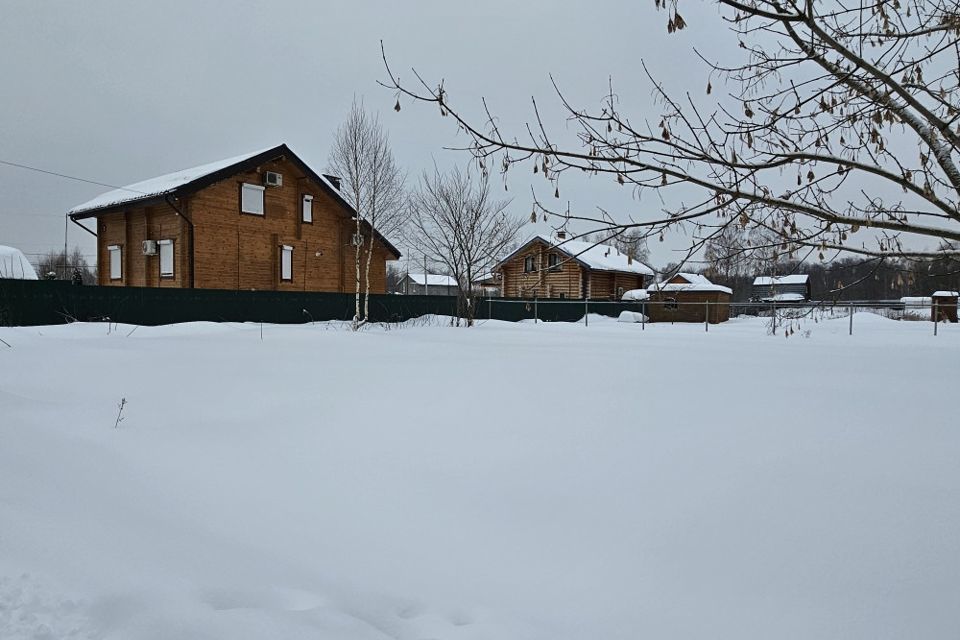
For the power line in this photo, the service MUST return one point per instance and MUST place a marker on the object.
(68, 177)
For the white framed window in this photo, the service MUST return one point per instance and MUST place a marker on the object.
(307, 208)
(251, 198)
(166, 258)
(286, 262)
(116, 261)
(529, 264)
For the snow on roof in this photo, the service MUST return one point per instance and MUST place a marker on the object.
(694, 282)
(602, 257)
(946, 294)
(14, 265)
(635, 294)
(797, 278)
(433, 280)
(161, 185)
(693, 278)
(917, 301)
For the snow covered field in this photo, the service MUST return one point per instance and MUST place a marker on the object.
(506, 482)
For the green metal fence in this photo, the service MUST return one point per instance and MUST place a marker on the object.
(41, 302)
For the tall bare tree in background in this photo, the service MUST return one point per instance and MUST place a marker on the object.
(839, 118)
(457, 223)
(374, 184)
(62, 266)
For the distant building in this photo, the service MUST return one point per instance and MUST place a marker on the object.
(555, 267)
(688, 297)
(792, 288)
(418, 284)
(488, 284)
(944, 306)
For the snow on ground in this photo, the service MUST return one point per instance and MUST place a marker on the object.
(511, 481)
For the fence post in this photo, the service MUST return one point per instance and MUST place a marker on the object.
(586, 311)
(851, 319)
(936, 317)
(536, 310)
(706, 316)
(643, 316)
(489, 309)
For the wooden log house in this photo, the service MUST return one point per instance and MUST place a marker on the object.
(557, 267)
(262, 221)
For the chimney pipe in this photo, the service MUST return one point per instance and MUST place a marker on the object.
(334, 180)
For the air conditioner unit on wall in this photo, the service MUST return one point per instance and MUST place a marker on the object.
(149, 247)
(273, 179)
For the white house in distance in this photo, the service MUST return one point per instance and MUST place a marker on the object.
(14, 265)
(419, 284)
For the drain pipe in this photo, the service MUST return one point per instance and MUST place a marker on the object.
(173, 206)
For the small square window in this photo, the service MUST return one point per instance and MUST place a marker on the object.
(116, 261)
(670, 304)
(286, 263)
(307, 208)
(166, 258)
(529, 264)
(251, 198)
(553, 262)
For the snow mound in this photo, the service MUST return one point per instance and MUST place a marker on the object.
(632, 316)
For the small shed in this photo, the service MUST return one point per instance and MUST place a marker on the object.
(688, 297)
(488, 284)
(791, 288)
(944, 305)
(418, 284)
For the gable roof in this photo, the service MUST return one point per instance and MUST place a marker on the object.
(433, 280)
(598, 257)
(692, 278)
(191, 180)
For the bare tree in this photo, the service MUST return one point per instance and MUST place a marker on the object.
(66, 267)
(456, 223)
(633, 243)
(361, 156)
(839, 118)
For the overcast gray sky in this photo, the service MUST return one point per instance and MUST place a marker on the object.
(117, 91)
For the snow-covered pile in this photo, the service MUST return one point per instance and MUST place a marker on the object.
(636, 295)
(631, 316)
(14, 265)
(608, 482)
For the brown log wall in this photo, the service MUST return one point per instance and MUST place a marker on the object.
(237, 250)
(691, 306)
